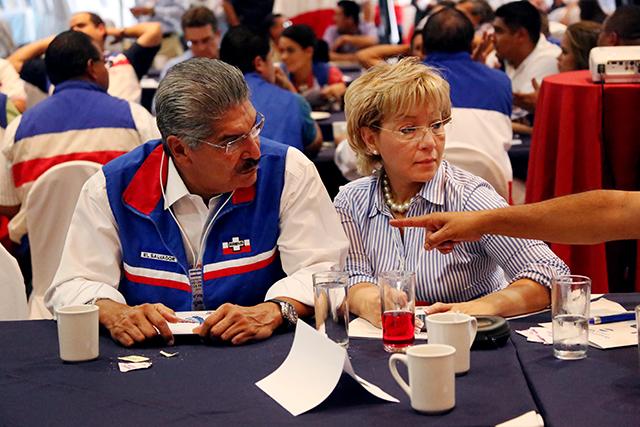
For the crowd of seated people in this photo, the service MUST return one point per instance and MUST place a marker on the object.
(213, 201)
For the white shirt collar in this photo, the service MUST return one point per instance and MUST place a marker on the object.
(176, 189)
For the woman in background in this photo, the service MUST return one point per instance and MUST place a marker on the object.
(313, 78)
(577, 42)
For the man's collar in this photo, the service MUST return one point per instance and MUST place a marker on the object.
(78, 84)
(447, 56)
(176, 189)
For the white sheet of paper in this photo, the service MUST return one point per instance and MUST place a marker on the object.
(371, 388)
(528, 419)
(310, 372)
(613, 335)
(186, 328)
(360, 328)
(134, 358)
(133, 366)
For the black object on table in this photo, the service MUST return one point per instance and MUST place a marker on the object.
(215, 385)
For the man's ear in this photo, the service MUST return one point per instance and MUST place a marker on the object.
(259, 65)
(522, 34)
(178, 149)
(91, 69)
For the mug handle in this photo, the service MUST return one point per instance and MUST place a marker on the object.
(393, 367)
(473, 330)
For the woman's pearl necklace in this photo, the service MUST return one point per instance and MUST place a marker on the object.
(388, 198)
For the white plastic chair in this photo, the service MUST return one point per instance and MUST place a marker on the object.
(478, 162)
(13, 297)
(49, 206)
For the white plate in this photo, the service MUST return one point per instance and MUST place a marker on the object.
(195, 318)
(320, 115)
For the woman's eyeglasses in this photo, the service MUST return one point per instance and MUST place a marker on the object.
(418, 133)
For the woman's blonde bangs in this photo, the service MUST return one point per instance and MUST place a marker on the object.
(387, 91)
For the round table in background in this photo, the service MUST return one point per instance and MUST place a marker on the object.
(587, 136)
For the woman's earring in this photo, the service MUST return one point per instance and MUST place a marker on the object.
(374, 152)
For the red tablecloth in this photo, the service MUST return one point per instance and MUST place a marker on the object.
(567, 154)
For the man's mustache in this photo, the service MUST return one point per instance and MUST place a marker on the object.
(248, 165)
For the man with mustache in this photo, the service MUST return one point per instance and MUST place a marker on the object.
(210, 217)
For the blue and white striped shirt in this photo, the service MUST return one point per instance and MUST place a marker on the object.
(472, 270)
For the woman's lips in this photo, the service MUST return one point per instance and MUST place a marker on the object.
(426, 161)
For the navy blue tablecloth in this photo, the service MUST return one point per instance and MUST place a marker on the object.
(601, 390)
(215, 385)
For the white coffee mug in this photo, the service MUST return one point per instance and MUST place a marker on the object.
(457, 330)
(78, 332)
(431, 377)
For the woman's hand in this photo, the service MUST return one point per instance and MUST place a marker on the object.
(364, 301)
(283, 81)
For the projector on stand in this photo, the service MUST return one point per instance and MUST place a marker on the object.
(615, 64)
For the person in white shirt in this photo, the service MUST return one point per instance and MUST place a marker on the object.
(349, 34)
(11, 85)
(525, 52)
(125, 68)
(210, 217)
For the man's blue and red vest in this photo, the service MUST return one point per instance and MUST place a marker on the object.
(240, 260)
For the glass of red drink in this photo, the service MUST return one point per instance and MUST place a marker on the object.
(398, 300)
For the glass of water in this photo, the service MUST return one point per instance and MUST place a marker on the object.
(331, 305)
(570, 300)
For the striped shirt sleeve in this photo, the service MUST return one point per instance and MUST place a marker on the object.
(357, 262)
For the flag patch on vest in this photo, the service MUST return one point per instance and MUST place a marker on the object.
(236, 246)
(158, 257)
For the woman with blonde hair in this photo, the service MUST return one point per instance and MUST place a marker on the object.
(396, 119)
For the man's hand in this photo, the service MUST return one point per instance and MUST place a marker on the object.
(483, 47)
(341, 41)
(142, 11)
(117, 33)
(443, 229)
(129, 325)
(527, 101)
(237, 324)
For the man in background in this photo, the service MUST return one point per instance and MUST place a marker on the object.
(287, 114)
(250, 13)
(622, 28)
(524, 51)
(200, 29)
(480, 96)
(349, 34)
(125, 69)
(80, 121)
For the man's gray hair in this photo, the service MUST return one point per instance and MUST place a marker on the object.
(196, 93)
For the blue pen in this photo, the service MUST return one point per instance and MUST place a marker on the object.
(598, 320)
